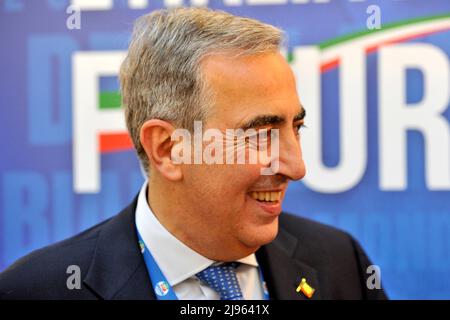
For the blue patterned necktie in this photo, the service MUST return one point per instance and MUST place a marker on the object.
(223, 280)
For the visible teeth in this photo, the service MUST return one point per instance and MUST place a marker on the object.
(273, 196)
(266, 196)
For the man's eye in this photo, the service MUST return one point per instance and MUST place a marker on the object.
(298, 127)
(260, 140)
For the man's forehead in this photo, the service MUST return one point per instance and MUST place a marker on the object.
(231, 71)
(264, 77)
(246, 87)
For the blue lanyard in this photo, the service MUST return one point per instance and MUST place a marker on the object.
(163, 290)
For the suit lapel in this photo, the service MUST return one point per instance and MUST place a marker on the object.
(283, 272)
(117, 269)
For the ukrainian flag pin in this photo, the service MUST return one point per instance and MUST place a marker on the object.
(305, 288)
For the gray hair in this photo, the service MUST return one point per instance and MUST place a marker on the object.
(161, 77)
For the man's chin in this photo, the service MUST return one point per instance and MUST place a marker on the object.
(257, 236)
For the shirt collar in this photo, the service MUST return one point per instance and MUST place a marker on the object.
(176, 260)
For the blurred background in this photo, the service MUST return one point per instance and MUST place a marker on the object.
(374, 77)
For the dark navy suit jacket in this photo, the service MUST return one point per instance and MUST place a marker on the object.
(112, 267)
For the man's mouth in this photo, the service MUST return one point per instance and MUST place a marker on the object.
(266, 196)
(268, 201)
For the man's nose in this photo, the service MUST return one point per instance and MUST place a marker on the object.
(291, 162)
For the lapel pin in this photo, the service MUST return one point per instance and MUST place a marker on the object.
(305, 288)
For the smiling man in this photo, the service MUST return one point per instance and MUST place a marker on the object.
(202, 230)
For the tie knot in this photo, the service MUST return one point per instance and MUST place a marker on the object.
(223, 280)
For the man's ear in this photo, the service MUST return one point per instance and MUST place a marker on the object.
(155, 139)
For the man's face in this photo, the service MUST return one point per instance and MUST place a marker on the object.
(256, 92)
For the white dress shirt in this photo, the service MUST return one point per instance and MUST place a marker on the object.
(179, 263)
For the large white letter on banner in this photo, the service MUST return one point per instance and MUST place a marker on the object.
(397, 117)
(88, 120)
(353, 128)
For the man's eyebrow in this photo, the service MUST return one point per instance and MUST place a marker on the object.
(269, 119)
(262, 120)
